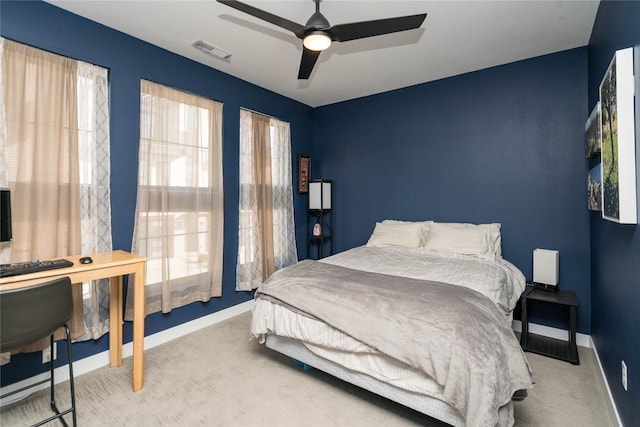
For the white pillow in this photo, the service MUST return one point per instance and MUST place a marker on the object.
(397, 234)
(425, 227)
(494, 237)
(460, 240)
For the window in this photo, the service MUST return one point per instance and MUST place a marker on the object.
(266, 235)
(179, 210)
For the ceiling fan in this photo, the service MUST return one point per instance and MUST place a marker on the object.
(317, 34)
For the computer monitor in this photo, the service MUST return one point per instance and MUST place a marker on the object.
(5, 215)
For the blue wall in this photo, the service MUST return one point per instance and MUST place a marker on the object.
(615, 248)
(505, 145)
(129, 60)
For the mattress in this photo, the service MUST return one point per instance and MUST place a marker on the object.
(331, 344)
(496, 279)
(425, 404)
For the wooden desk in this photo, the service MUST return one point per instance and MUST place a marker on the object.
(111, 265)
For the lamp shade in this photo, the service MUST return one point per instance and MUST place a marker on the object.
(545, 266)
(320, 194)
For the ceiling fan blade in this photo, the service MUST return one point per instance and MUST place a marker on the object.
(294, 27)
(359, 30)
(309, 58)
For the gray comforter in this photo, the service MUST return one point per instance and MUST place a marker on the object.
(454, 334)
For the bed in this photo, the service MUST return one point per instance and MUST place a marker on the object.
(421, 315)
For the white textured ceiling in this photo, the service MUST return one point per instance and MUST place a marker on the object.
(457, 37)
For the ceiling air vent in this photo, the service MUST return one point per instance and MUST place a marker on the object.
(212, 50)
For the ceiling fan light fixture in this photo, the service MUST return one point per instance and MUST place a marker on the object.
(317, 41)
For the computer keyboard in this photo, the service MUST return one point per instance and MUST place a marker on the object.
(19, 268)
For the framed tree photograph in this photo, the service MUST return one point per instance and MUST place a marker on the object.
(304, 172)
(618, 140)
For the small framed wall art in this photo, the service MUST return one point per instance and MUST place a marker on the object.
(304, 169)
(593, 133)
(618, 140)
(594, 188)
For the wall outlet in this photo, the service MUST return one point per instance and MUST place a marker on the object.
(46, 353)
(624, 375)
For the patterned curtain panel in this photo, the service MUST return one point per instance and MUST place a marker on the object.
(266, 235)
(5, 247)
(95, 190)
(284, 236)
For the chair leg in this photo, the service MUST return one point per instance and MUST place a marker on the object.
(71, 385)
(54, 407)
(52, 380)
(52, 387)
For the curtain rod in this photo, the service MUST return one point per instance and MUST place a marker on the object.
(262, 114)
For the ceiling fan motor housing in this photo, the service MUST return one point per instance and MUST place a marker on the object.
(317, 22)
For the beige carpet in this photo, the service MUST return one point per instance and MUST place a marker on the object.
(217, 377)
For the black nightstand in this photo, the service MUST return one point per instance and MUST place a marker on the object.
(546, 346)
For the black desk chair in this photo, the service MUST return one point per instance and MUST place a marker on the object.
(30, 314)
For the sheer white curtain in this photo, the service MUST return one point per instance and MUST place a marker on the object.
(266, 234)
(39, 97)
(179, 208)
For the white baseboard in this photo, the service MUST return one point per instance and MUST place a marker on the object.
(581, 339)
(99, 360)
(606, 384)
(188, 327)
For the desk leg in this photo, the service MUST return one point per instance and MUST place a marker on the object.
(115, 321)
(138, 327)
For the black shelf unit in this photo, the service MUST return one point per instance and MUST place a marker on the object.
(552, 347)
(320, 213)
